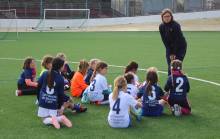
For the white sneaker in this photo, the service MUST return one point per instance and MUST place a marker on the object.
(177, 110)
(36, 102)
(18, 93)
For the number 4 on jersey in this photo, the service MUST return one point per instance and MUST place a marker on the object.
(116, 106)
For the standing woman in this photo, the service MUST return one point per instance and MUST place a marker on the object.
(172, 37)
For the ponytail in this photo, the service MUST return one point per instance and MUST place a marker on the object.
(120, 83)
(57, 64)
(93, 75)
(115, 93)
(50, 79)
(149, 88)
(151, 79)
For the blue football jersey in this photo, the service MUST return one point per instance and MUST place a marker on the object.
(51, 98)
(26, 74)
(153, 99)
(178, 86)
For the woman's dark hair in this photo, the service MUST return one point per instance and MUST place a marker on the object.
(151, 79)
(167, 11)
(57, 64)
(131, 66)
(129, 77)
(27, 62)
(99, 66)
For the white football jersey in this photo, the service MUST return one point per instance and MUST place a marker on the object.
(96, 87)
(118, 116)
(132, 90)
(136, 79)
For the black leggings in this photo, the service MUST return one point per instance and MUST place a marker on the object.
(28, 90)
(182, 102)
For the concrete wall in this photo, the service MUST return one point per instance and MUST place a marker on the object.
(29, 23)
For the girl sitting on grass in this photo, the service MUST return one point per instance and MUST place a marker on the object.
(152, 95)
(51, 96)
(120, 104)
(98, 91)
(78, 85)
(178, 86)
(27, 84)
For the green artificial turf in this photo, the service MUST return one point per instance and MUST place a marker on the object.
(18, 118)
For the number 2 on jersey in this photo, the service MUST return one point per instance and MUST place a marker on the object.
(116, 106)
(180, 82)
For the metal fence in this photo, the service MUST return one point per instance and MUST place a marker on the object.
(107, 8)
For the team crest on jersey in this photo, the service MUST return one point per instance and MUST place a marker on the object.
(50, 91)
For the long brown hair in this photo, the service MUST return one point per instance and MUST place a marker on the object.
(120, 83)
(57, 64)
(27, 62)
(99, 66)
(167, 10)
(151, 79)
(131, 66)
(83, 66)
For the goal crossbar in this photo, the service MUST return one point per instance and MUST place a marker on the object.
(66, 10)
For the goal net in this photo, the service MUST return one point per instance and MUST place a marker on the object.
(63, 19)
(8, 25)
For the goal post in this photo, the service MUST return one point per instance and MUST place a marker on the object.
(63, 19)
(8, 25)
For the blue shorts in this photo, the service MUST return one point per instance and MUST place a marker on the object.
(154, 111)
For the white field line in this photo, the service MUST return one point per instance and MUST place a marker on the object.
(116, 66)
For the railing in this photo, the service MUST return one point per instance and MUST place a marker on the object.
(107, 8)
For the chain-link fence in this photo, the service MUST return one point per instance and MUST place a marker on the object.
(107, 8)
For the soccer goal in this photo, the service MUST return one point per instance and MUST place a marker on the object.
(63, 19)
(8, 25)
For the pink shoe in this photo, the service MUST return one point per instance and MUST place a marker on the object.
(66, 121)
(55, 123)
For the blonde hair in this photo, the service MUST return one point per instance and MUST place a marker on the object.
(46, 60)
(93, 61)
(61, 55)
(83, 66)
(120, 83)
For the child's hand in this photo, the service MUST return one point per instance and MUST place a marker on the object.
(60, 111)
